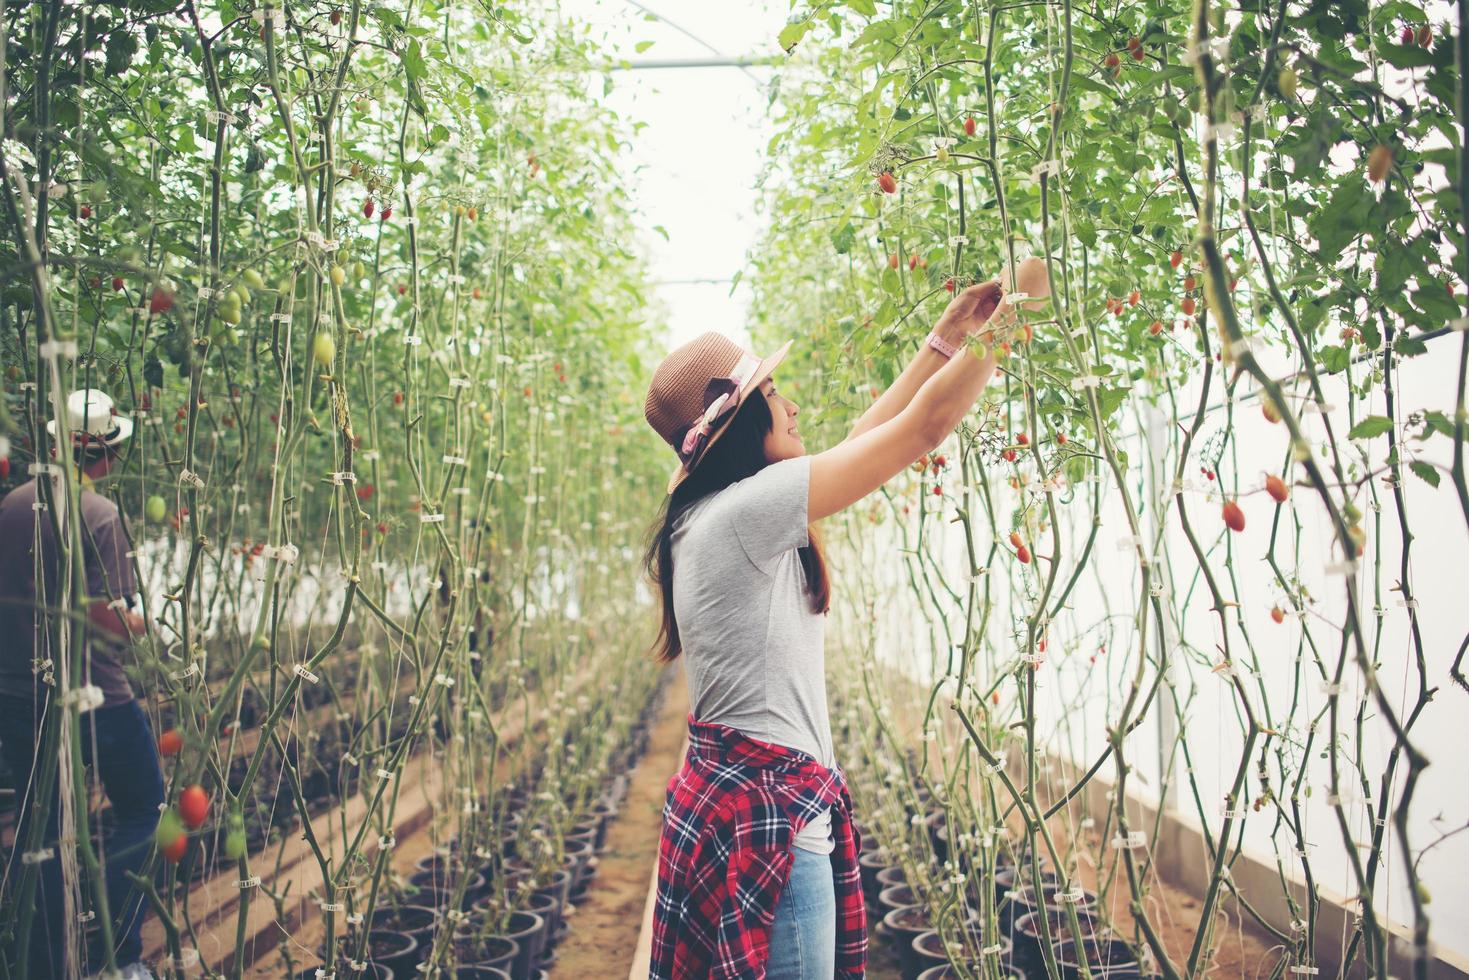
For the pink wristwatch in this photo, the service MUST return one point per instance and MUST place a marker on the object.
(941, 345)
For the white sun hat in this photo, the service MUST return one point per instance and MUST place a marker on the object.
(91, 418)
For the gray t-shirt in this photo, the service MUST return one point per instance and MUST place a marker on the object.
(753, 648)
(109, 576)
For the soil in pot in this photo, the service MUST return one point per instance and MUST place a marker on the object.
(397, 951)
(890, 876)
(1107, 959)
(896, 897)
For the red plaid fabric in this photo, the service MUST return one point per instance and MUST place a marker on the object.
(732, 813)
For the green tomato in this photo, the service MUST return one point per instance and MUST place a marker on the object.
(324, 349)
(1287, 82)
(253, 279)
(230, 314)
(156, 509)
(170, 828)
(339, 275)
(359, 271)
(240, 294)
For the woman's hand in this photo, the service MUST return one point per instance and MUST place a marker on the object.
(969, 311)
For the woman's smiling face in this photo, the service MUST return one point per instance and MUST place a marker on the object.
(784, 438)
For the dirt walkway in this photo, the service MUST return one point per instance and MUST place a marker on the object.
(604, 930)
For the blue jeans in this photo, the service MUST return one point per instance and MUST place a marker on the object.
(803, 938)
(126, 759)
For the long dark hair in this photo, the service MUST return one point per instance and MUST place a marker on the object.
(740, 453)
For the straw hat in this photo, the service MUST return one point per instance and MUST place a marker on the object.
(92, 420)
(697, 389)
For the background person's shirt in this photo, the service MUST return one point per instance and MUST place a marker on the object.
(109, 576)
(754, 649)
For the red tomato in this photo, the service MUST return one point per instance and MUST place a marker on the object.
(367, 207)
(194, 806)
(1277, 614)
(1277, 489)
(175, 851)
(969, 126)
(1023, 553)
(170, 742)
(1234, 518)
(887, 182)
(1175, 259)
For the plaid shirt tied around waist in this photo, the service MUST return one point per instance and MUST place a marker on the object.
(732, 814)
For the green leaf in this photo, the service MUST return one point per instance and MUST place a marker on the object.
(662, 231)
(642, 46)
(864, 7)
(1372, 425)
(842, 238)
(791, 35)
(1425, 472)
(1406, 346)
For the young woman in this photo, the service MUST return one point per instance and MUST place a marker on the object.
(757, 871)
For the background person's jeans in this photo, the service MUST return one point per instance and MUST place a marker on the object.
(126, 759)
(803, 937)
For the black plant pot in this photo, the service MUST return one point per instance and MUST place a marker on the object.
(949, 972)
(480, 973)
(496, 951)
(1021, 901)
(929, 952)
(896, 897)
(417, 921)
(397, 951)
(1027, 934)
(869, 863)
(528, 931)
(904, 925)
(374, 971)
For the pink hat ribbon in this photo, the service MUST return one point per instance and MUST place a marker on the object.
(721, 398)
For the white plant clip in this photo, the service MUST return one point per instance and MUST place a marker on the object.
(384, 774)
(342, 477)
(369, 455)
(53, 349)
(1133, 840)
(187, 672)
(86, 698)
(387, 843)
(460, 491)
(430, 518)
(330, 906)
(458, 382)
(1085, 381)
(306, 675)
(412, 340)
(1072, 895)
(450, 460)
(355, 919)
(1045, 167)
(188, 478)
(1128, 542)
(443, 680)
(1459, 323)
(280, 318)
(187, 959)
(36, 857)
(1304, 970)
(957, 240)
